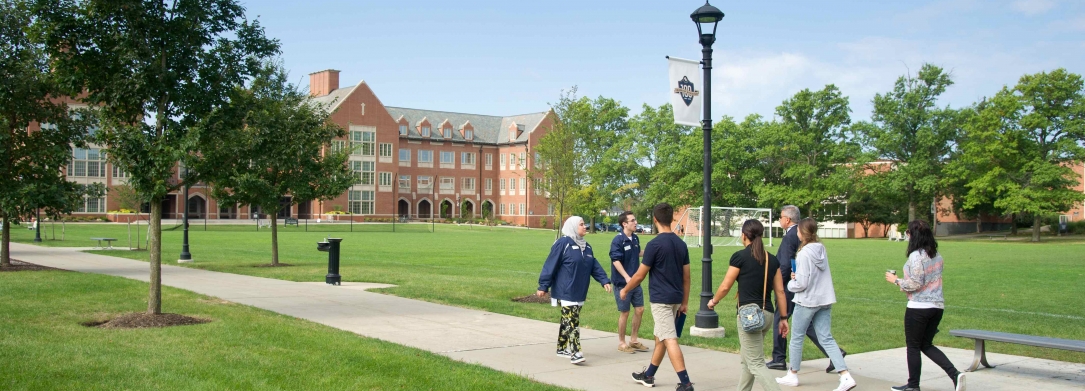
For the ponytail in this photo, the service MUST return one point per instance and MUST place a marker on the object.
(753, 230)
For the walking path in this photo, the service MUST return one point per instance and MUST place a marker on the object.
(526, 347)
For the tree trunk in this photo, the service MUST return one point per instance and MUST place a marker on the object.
(911, 211)
(1036, 221)
(5, 243)
(979, 225)
(154, 249)
(1013, 224)
(274, 238)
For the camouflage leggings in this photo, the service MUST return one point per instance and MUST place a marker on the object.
(569, 333)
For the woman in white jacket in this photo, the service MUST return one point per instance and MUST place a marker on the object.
(814, 297)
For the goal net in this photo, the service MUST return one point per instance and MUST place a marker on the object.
(726, 223)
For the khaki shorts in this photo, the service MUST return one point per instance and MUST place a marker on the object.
(665, 315)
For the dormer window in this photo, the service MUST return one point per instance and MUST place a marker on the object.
(425, 131)
(402, 129)
(468, 134)
(447, 132)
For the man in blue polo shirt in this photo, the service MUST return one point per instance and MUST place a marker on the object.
(666, 258)
(625, 259)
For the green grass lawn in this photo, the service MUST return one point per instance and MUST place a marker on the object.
(1004, 286)
(45, 348)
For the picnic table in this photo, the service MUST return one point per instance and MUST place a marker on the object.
(108, 241)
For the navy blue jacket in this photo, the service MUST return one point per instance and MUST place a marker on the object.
(567, 269)
(626, 250)
(788, 249)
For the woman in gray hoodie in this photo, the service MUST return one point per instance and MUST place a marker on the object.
(814, 297)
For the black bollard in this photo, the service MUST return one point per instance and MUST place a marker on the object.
(331, 246)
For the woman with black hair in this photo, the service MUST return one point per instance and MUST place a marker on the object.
(923, 283)
(748, 267)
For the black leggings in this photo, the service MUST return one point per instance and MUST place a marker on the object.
(920, 326)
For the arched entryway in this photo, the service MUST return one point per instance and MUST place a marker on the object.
(425, 209)
(487, 209)
(446, 209)
(404, 208)
(197, 207)
(467, 209)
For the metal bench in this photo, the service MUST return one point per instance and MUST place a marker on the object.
(981, 336)
(108, 241)
(290, 221)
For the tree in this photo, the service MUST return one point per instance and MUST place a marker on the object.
(652, 142)
(269, 142)
(815, 154)
(559, 171)
(153, 69)
(873, 201)
(912, 133)
(598, 127)
(1021, 146)
(31, 159)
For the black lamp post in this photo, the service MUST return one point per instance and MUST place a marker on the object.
(706, 18)
(185, 255)
(37, 226)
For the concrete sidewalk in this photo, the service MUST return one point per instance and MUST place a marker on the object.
(526, 347)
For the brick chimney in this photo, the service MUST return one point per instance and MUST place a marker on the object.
(323, 82)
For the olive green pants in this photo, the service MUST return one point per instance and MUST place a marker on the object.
(752, 350)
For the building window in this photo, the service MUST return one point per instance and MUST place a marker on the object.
(91, 205)
(512, 161)
(502, 161)
(522, 210)
(364, 171)
(405, 182)
(468, 134)
(448, 184)
(404, 155)
(467, 158)
(489, 184)
(402, 130)
(468, 184)
(338, 145)
(550, 209)
(361, 202)
(502, 209)
(447, 157)
(512, 184)
(536, 160)
(425, 156)
(523, 184)
(425, 131)
(119, 173)
(386, 150)
(87, 163)
(425, 182)
(385, 179)
(489, 160)
(502, 184)
(523, 161)
(447, 132)
(535, 185)
(363, 142)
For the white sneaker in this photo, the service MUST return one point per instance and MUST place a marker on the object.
(577, 358)
(960, 382)
(846, 383)
(790, 379)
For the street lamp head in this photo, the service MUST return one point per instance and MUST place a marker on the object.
(706, 18)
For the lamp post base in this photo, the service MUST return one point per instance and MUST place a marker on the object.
(707, 333)
(184, 260)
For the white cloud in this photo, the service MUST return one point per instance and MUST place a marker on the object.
(1033, 7)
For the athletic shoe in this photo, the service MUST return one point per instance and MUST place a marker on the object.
(626, 349)
(958, 382)
(647, 381)
(790, 379)
(638, 346)
(832, 368)
(577, 358)
(846, 383)
(776, 365)
(904, 388)
(564, 354)
(684, 387)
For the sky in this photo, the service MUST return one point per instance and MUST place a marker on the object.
(515, 57)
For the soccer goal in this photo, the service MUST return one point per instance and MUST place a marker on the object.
(726, 225)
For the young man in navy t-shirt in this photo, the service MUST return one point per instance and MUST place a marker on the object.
(666, 259)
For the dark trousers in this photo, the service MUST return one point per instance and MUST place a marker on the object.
(779, 342)
(920, 326)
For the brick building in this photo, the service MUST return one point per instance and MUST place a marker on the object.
(410, 163)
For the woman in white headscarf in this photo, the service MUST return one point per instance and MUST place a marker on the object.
(566, 275)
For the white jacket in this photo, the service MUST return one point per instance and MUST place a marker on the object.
(813, 283)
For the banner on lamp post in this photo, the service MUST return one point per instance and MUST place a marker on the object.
(685, 90)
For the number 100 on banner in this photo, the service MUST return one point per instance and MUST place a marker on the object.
(685, 90)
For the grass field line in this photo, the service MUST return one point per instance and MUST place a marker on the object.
(981, 309)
